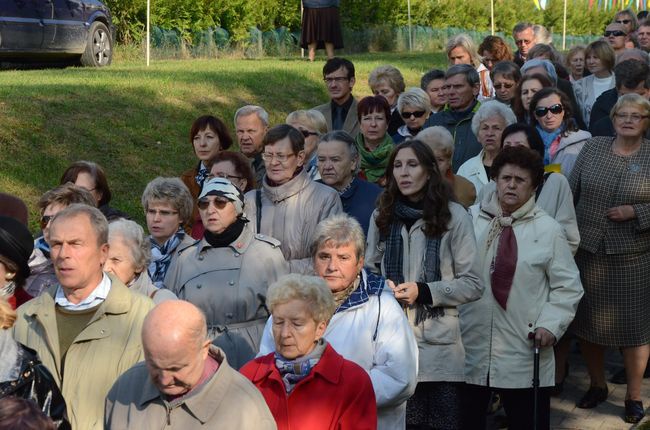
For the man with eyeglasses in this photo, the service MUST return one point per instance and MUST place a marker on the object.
(341, 112)
(462, 85)
(524, 37)
(616, 35)
(251, 124)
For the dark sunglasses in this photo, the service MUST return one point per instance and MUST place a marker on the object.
(417, 114)
(45, 220)
(556, 109)
(306, 133)
(616, 33)
(203, 204)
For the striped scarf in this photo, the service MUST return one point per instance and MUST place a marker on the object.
(294, 371)
(161, 256)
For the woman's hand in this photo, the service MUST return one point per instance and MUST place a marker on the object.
(405, 293)
(544, 337)
(621, 213)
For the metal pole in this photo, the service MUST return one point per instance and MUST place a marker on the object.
(492, 15)
(302, 50)
(564, 28)
(410, 32)
(148, 32)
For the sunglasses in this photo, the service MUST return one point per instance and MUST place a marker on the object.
(617, 33)
(417, 114)
(203, 204)
(506, 86)
(307, 133)
(556, 109)
(45, 220)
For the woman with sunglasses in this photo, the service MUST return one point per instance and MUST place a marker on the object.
(312, 125)
(414, 105)
(600, 60)
(373, 142)
(505, 76)
(227, 272)
(552, 116)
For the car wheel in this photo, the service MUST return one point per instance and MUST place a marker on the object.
(99, 46)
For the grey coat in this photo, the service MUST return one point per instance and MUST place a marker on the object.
(229, 285)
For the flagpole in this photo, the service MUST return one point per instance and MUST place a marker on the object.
(492, 15)
(148, 32)
(564, 29)
(408, 3)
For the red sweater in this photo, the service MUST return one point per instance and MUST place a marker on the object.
(337, 394)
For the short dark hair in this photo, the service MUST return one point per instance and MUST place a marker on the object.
(373, 104)
(508, 69)
(523, 158)
(66, 195)
(18, 413)
(534, 140)
(470, 73)
(95, 171)
(241, 164)
(429, 76)
(630, 73)
(333, 64)
(281, 131)
(568, 122)
(205, 121)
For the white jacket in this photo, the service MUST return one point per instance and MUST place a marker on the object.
(391, 360)
(474, 171)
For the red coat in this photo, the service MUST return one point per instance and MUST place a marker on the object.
(336, 395)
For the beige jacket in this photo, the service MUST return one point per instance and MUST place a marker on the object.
(226, 401)
(106, 348)
(545, 292)
(290, 213)
(441, 353)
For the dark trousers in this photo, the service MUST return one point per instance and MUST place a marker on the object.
(518, 404)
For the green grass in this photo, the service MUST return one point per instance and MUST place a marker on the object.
(135, 120)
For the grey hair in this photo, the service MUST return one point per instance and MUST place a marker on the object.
(309, 118)
(311, 290)
(633, 54)
(542, 35)
(471, 75)
(339, 230)
(631, 99)
(464, 41)
(135, 238)
(172, 191)
(491, 109)
(343, 136)
(546, 64)
(261, 113)
(97, 219)
(415, 97)
(542, 49)
(521, 26)
(437, 138)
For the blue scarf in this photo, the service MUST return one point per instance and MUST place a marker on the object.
(548, 138)
(294, 371)
(41, 244)
(201, 175)
(161, 256)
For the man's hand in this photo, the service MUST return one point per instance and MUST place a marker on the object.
(405, 293)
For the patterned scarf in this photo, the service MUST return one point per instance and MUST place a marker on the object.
(161, 256)
(551, 141)
(11, 354)
(294, 371)
(41, 244)
(374, 163)
(394, 256)
(201, 175)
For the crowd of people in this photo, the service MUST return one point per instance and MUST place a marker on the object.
(389, 262)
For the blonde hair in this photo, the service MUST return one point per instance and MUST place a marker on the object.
(438, 138)
(7, 314)
(311, 119)
(389, 74)
(465, 42)
(416, 98)
(634, 100)
(311, 290)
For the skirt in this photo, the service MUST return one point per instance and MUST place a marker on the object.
(321, 25)
(615, 309)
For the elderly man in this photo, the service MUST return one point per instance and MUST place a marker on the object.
(341, 112)
(616, 35)
(86, 328)
(251, 124)
(643, 36)
(524, 36)
(184, 382)
(462, 86)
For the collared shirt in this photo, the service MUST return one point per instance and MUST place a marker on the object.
(96, 297)
(340, 113)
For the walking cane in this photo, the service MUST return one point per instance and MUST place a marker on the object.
(531, 335)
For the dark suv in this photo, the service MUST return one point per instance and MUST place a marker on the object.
(56, 29)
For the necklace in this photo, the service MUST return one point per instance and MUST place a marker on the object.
(347, 187)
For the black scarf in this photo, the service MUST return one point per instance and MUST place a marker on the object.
(226, 237)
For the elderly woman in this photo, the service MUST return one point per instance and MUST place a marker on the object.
(373, 142)
(167, 207)
(552, 116)
(423, 243)
(226, 273)
(414, 106)
(338, 163)
(235, 167)
(387, 81)
(91, 176)
(487, 124)
(528, 86)
(441, 142)
(16, 245)
(610, 189)
(289, 205)
(368, 326)
(433, 83)
(575, 62)
(600, 60)
(326, 390)
(312, 124)
(462, 50)
(208, 136)
(129, 252)
(505, 77)
(531, 290)
(493, 50)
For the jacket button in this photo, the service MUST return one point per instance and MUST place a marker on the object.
(199, 286)
(231, 283)
(530, 324)
(201, 257)
(447, 290)
(102, 331)
(237, 254)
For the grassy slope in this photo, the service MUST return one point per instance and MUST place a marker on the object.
(134, 120)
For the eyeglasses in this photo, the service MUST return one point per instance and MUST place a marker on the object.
(623, 21)
(307, 133)
(204, 203)
(555, 109)
(632, 117)
(224, 175)
(337, 79)
(520, 42)
(506, 86)
(417, 114)
(282, 158)
(616, 33)
(161, 213)
(45, 220)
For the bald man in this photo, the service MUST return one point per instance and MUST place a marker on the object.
(184, 382)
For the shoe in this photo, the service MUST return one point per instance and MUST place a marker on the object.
(634, 411)
(593, 397)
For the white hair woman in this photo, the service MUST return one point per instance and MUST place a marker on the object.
(487, 124)
(414, 105)
(312, 125)
(304, 366)
(461, 49)
(129, 254)
(387, 81)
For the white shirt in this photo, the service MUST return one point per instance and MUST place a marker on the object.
(96, 297)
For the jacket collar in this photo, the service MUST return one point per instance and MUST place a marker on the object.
(291, 188)
(239, 245)
(573, 138)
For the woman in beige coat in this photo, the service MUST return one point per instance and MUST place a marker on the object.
(423, 243)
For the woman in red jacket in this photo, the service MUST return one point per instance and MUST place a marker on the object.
(306, 384)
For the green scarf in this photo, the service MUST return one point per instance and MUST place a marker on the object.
(374, 163)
